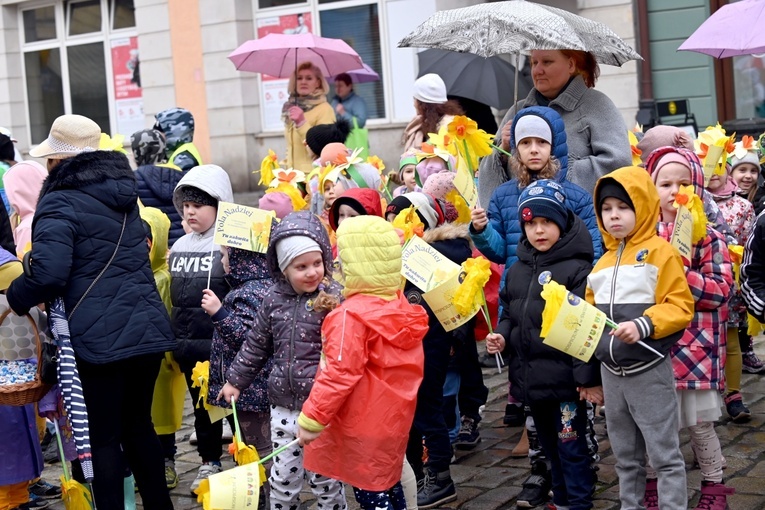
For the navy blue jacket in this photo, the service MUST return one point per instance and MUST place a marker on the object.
(76, 227)
(498, 241)
(539, 372)
(155, 189)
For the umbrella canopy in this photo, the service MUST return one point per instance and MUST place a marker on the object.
(364, 75)
(280, 54)
(486, 80)
(517, 26)
(71, 387)
(717, 37)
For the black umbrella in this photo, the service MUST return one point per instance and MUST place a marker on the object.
(486, 80)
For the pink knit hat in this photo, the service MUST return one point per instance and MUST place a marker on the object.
(439, 184)
(276, 201)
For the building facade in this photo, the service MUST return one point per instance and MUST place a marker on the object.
(121, 61)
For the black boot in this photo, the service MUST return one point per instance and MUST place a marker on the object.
(536, 488)
(436, 489)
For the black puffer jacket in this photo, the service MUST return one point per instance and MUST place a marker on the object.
(76, 227)
(538, 372)
(155, 189)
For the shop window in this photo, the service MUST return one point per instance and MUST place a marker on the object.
(360, 27)
(87, 83)
(40, 24)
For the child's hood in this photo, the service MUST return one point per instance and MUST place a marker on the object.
(558, 130)
(301, 223)
(178, 126)
(23, 182)
(159, 224)
(370, 253)
(367, 198)
(246, 265)
(400, 323)
(642, 191)
(697, 173)
(211, 179)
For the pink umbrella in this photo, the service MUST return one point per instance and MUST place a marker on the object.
(364, 75)
(280, 54)
(734, 29)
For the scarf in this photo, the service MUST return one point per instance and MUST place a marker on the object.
(306, 103)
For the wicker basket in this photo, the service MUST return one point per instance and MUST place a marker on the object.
(28, 392)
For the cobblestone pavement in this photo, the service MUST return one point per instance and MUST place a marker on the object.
(488, 478)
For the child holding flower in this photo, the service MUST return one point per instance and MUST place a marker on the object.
(554, 244)
(699, 357)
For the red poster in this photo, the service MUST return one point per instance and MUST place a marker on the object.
(125, 68)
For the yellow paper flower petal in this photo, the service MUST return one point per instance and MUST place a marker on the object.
(459, 203)
(443, 140)
(200, 377)
(377, 163)
(267, 167)
(686, 197)
(408, 221)
(472, 143)
(75, 495)
(115, 143)
(554, 295)
(469, 295)
(203, 494)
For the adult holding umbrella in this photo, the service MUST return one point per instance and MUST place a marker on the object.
(597, 139)
(307, 107)
(89, 248)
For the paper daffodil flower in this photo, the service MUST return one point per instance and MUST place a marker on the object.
(246, 454)
(328, 172)
(203, 494)
(469, 295)
(200, 377)
(267, 168)
(409, 222)
(290, 176)
(736, 253)
(343, 161)
(75, 495)
(686, 197)
(472, 143)
(636, 153)
(459, 203)
(377, 163)
(747, 144)
(554, 295)
(431, 151)
(443, 141)
(714, 136)
(114, 143)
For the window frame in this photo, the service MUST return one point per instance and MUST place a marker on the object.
(63, 42)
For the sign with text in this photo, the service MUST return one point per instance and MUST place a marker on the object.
(577, 328)
(425, 266)
(239, 226)
(439, 300)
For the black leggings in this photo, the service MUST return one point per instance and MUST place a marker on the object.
(118, 397)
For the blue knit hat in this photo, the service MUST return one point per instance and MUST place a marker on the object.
(544, 198)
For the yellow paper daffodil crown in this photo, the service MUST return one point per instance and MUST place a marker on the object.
(686, 197)
(469, 295)
(267, 168)
(714, 136)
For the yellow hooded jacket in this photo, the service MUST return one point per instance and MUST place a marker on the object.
(160, 226)
(640, 278)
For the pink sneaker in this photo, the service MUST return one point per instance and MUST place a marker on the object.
(714, 496)
(651, 499)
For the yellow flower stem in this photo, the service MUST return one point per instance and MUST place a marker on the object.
(61, 450)
(503, 151)
(278, 451)
(467, 158)
(236, 422)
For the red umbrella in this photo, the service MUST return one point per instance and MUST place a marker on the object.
(280, 54)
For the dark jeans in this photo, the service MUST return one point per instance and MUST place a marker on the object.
(563, 439)
(118, 397)
(473, 393)
(429, 417)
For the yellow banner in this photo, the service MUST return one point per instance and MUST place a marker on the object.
(711, 160)
(235, 488)
(682, 233)
(466, 186)
(439, 300)
(239, 226)
(425, 266)
(577, 328)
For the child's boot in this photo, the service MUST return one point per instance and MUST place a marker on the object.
(651, 498)
(714, 496)
(437, 489)
(522, 448)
